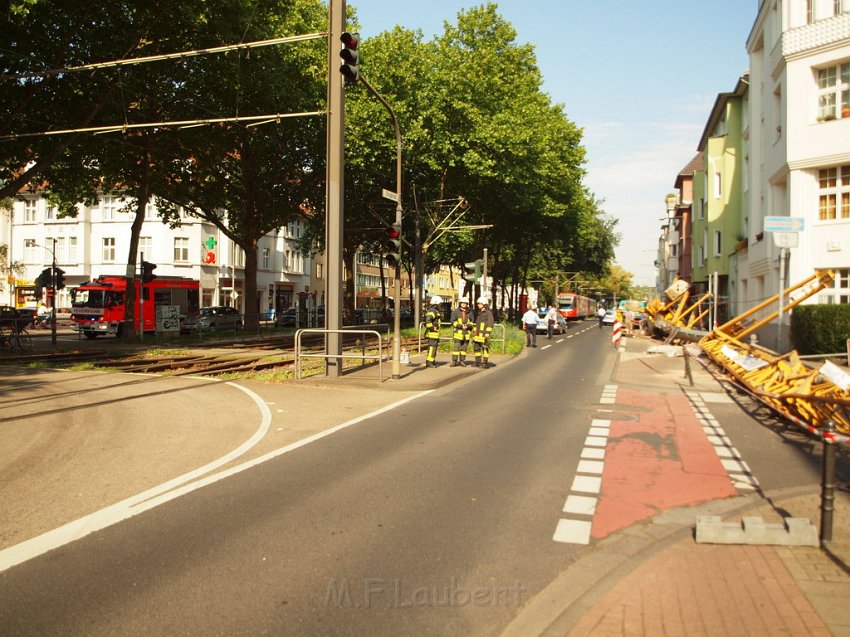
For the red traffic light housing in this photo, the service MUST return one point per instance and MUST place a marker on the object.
(392, 244)
(350, 54)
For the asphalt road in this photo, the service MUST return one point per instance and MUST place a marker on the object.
(436, 517)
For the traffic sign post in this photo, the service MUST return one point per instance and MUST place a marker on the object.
(785, 235)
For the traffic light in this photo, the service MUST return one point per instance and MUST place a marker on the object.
(43, 280)
(473, 270)
(392, 244)
(59, 280)
(350, 54)
(147, 271)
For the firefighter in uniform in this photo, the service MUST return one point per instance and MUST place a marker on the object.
(461, 331)
(432, 330)
(482, 330)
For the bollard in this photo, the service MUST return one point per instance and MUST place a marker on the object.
(688, 374)
(827, 500)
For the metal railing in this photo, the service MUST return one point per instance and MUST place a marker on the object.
(363, 355)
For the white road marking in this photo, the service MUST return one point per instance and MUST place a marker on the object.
(580, 505)
(586, 484)
(588, 479)
(594, 453)
(590, 466)
(739, 473)
(172, 489)
(572, 532)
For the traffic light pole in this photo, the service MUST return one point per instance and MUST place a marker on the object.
(396, 373)
(53, 299)
(334, 195)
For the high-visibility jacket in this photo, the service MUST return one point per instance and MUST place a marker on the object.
(461, 324)
(483, 327)
(432, 322)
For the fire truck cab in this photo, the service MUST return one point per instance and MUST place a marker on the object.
(98, 307)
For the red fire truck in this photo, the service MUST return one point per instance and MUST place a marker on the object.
(97, 307)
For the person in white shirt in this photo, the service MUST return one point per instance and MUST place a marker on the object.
(529, 322)
(551, 321)
(600, 314)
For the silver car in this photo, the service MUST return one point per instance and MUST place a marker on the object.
(220, 317)
(543, 327)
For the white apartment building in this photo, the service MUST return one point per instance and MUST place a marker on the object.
(797, 145)
(97, 242)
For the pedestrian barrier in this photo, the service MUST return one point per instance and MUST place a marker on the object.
(379, 356)
(810, 397)
(616, 334)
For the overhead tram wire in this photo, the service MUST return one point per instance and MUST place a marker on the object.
(166, 56)
(257, 119)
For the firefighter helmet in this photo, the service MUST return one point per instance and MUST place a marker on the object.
(483, 300)
(463, 299)
(436, 300)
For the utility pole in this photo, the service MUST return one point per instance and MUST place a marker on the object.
(334, 195)
(53, 301)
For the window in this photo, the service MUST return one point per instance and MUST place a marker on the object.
(674, 249)
(145, 249)
(834, 92)
(30, 247)
(71, 257)
(150, 210)
(810, 11)
(834, 193)
(181, 249)
(30, 210)
(319, 270)
(718, 243)
(701, 209)
(839, 292)
(718, 185)
(108, 249)
(266, 259)
(51, 213)
(107, 208)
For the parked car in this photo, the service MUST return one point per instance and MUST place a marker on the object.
(609, 318)
(9, 317)
(28, 316)
(286, 318)
(542, 325)
(220, 317)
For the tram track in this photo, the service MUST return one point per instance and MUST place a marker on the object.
(238, 357)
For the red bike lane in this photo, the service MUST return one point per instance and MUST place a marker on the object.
(659, 461)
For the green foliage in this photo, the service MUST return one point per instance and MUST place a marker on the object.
(820, 329)
(476, 124)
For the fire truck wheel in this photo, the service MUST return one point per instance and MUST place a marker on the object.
(90, 334)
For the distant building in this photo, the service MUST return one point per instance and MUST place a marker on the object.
(97, 242)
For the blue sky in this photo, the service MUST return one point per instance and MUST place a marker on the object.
(639, 76)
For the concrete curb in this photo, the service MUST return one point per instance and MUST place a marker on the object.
(559, 607)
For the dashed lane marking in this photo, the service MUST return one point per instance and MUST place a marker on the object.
(583, 498)
(739, 472)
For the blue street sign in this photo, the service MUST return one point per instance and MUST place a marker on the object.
(784, 224)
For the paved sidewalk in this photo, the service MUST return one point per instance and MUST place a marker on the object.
(654, 579)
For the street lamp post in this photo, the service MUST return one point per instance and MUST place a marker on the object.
(396, 366)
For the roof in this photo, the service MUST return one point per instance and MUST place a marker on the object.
(696, 164)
